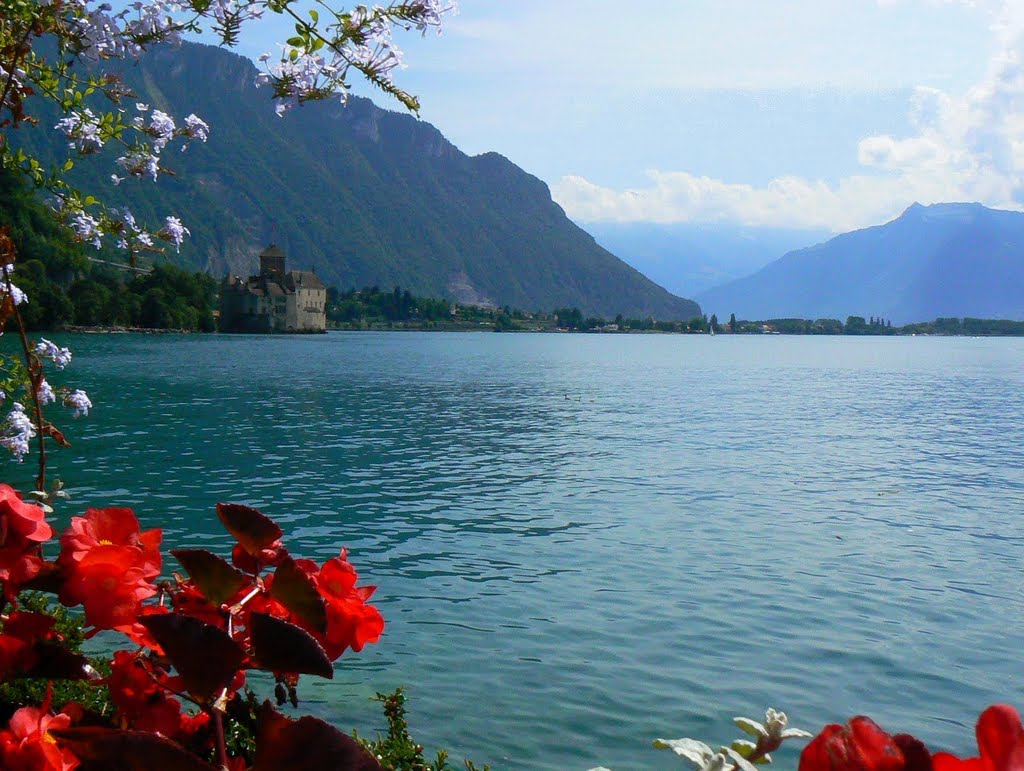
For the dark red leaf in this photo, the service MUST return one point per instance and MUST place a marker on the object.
(282, 647)
(251, 528)
(296, 591)
(217, 579)
(204, 655)
(306, 744)
(53, 661)
(50, 578)
(105, 748)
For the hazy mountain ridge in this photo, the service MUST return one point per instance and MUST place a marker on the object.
(955, 259)
(361, 195)
(689, 258)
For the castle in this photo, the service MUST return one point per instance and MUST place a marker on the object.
(273, 301)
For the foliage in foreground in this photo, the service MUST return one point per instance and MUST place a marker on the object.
(177, 693)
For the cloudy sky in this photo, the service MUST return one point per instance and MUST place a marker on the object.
(816, 113)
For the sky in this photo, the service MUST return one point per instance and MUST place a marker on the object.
(831, 114)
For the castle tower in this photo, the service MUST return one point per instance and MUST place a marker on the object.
(272, 263)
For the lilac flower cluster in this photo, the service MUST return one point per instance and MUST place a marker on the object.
(16, 432)
(83, 131)
(174, 231)
(79, 402)
(369, 46)
(102, 34)
(85, 226)
(17, 295)
(45, 393)
(45, 349)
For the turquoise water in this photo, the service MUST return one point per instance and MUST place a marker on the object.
(585, 542)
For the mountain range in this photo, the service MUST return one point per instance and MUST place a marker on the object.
(361, 195)
(689, 258)
(943, 260)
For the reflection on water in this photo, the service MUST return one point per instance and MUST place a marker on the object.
(583, 542)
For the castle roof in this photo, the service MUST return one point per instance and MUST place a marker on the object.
(272, 250)
(305, 279)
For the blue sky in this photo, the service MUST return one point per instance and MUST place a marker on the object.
(817, 113)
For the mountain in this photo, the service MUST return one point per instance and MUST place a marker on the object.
(361, 195)
(688, 258)
(944, 260)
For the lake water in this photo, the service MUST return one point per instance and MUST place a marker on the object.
(586, 542)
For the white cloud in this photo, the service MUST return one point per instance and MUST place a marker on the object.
(966, 148)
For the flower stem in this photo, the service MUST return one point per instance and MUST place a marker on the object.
(222, 749)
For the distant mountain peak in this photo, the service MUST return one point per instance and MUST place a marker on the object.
(945, 259)
(960, 210)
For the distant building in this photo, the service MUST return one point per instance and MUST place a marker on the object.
(275, 300)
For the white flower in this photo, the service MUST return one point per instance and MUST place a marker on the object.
(17, 295)
(17, 432)
(774, 728)
(161, 128)
(86, 227)
(83, 131)
(45, 393)
(79, 402)
(196, 128)
(61, 357)
(703, 757)
(174, 231)
(139, 162)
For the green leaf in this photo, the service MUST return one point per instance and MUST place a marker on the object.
(296, 591)
(205, 656)
(127, 750)
(218, 580)
(306, 744)
(296, 41)
(314, 15)
(285, 648)
(254, 530)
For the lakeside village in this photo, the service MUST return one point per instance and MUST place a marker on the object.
(277, 300)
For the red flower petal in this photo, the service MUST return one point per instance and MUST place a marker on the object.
(1000, 737)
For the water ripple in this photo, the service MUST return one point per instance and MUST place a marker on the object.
(585, 542)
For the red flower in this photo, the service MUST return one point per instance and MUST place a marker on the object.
(141, 700)
(109, 584)
(858, 746)
(1000, 740)
(270, 556)
(22, 528)
(26, 521)
(111, 527)
(27, 745)
(19, 563)
(351, 623)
